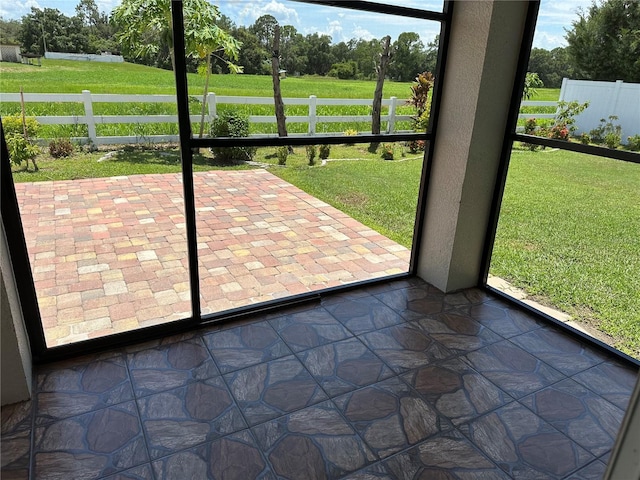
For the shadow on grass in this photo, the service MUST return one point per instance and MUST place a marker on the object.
(164, 158)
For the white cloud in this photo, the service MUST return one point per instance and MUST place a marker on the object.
(251, 11)
(14, 10)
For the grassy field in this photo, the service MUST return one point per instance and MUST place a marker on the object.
(568, 234)
(65, 76)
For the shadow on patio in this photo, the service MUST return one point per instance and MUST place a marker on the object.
(110, 254)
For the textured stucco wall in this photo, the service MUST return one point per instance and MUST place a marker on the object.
(483, 53)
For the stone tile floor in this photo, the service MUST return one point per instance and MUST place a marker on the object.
(109, 254)
(395, 380)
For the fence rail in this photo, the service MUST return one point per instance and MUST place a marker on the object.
(90, 119)
(312, 119)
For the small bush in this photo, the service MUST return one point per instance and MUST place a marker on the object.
(324, 151)
(633, 143)
(282, 153)
(232, 123)
(607, 132)
(559, 132)
(585, 139)
(531, 128)
(311, 154)
(387, 151)
(416, 146)
(21, 150)
(12, 124)
(60, 147)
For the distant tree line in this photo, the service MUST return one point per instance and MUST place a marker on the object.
(90, 31)
(603, 44)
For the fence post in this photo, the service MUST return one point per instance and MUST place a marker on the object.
(211, 102)
(312, 114)
(88, 114)
(613, 108)
(391, 123)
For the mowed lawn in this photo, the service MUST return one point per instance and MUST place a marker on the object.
(569, 234)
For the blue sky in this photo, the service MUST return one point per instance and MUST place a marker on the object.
(339, 24)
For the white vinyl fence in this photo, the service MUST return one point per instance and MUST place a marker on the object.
(605, 98)
(213, 101)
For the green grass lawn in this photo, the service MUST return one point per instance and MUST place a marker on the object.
(568, 234)
(67, 76)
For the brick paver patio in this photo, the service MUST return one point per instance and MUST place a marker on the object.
(110, 254)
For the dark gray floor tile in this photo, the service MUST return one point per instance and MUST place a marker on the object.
(524, 445)
(390, 416)
(243, 346)
(92, 445)
(513, 369)
(15, 454)
(78, 388)
(142, 472)
(559, 350)
(234, 457)
(456, 390)
(406, 346)
(446, 456)
(364, 314)
(506, 320)
(414, 303)
(586, 418)
(169, 366)
(458, 332)
(309, 328)
(610, 380)
(268, 390)
(593, 471)
(187, 416)
(312, 443)
(344, 366)
(17, 417)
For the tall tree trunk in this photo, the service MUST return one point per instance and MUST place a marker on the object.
(277, 95)
(377, 96)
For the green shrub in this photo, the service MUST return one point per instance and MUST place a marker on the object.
(387, 151)
(232, 123)
(60, 147)
(565, 120)
(282, 154)
(633, 143)
(21, 150)
(416, 146)
(311, 154)
(324, 151)
(585, 139)
(607, 132)
(12, 124)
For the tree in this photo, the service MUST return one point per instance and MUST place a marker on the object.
(408, 57)
(9, 31)
(604, 43)
(551, 66)
(251, 55)
(52, 28)
(318, 53)
(203, 38)
(263, 28)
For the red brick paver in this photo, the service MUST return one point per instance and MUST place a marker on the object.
(110, 254)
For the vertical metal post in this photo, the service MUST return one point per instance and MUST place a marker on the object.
(186, 154)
